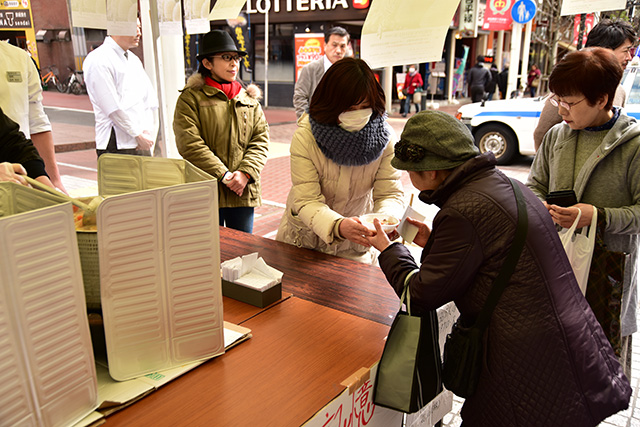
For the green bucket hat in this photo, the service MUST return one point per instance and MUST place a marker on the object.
(433, 140)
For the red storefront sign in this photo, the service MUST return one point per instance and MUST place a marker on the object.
(497, 15)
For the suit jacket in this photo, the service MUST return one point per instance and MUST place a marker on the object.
(310, 76)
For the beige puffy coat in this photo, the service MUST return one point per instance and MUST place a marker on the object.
(324, 192)
(218, 134)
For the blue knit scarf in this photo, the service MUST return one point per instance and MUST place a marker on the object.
(352, 148)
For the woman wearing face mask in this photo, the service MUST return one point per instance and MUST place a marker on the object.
(341, 165)
(412, 81)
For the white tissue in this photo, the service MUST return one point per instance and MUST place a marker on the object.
(251, 271)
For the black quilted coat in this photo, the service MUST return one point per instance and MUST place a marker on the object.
(547, 361)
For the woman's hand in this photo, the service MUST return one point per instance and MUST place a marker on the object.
(353, 230)
(565, 217)
(423, 232)
(236, 182)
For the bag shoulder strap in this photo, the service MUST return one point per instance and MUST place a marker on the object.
(500, 283)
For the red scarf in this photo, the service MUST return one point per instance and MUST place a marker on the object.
(230, 89)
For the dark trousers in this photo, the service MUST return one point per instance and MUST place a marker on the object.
(477, 93)
(112, 147)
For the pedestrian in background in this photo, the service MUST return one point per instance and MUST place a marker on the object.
(478, 78)
(220, 127)
(491, 86)
(340, 165)
(533, 80)
(124, 101)
(546, 360)
(617, 35)
(503, 78)
(595, 153)
(21, 101)
(413, 82)
(336, 43)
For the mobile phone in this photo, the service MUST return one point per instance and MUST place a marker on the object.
(564, 198)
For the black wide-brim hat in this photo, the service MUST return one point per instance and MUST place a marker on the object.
(216, 41)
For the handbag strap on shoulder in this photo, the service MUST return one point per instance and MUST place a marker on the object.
(500, 283)
(406, 293)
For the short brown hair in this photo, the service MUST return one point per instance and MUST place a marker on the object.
(346, 83)
(593, 72)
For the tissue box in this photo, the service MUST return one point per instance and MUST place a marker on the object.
(252, 296)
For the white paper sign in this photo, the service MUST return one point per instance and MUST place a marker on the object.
(89, 14)
(122, 17)
(169, 17)
(356, 409)
(391, 36)
(196, 16)
(574, 7)
(433, 412)
(226, 9)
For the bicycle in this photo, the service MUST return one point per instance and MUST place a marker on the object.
(75, 82)
(52, 77)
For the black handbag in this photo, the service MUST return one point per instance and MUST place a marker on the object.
(409, 371)
(463, 349)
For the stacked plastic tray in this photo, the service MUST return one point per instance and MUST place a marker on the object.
(47, 371)
(159, 264)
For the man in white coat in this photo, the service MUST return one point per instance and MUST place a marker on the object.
(336, 43)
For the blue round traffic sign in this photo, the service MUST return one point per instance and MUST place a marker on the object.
(523, 11)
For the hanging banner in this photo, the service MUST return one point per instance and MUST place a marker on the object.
(308, 48)
(169, 17)
(122, 16)
(391, 36)
(588, 25)
(497, 15)
(458, 75)
(196, 16)
(574, 7)
(89, 14)
(240, 32)
(469, 18)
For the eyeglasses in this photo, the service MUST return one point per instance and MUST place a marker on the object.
(228, 58)
(566, 105)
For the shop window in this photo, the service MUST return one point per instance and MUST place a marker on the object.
(281, 48)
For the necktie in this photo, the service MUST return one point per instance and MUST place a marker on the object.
(126, 55)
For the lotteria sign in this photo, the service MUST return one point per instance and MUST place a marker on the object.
(277, 6)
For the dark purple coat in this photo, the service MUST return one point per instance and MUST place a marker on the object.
(547, 361)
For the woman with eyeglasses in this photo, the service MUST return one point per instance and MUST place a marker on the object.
(595, 152)
(341, 165)
(220, 127)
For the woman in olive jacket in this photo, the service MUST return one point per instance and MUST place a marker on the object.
(546, 360)
(221, 128)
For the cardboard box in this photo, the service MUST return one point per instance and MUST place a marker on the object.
(252, 296)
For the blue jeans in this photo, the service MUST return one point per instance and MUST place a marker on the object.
(237, 218)
(407, 104)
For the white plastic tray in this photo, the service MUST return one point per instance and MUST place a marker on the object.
(160, 278)
(47, 371)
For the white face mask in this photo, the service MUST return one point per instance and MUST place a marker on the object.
(412, 70)
(355, 120)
